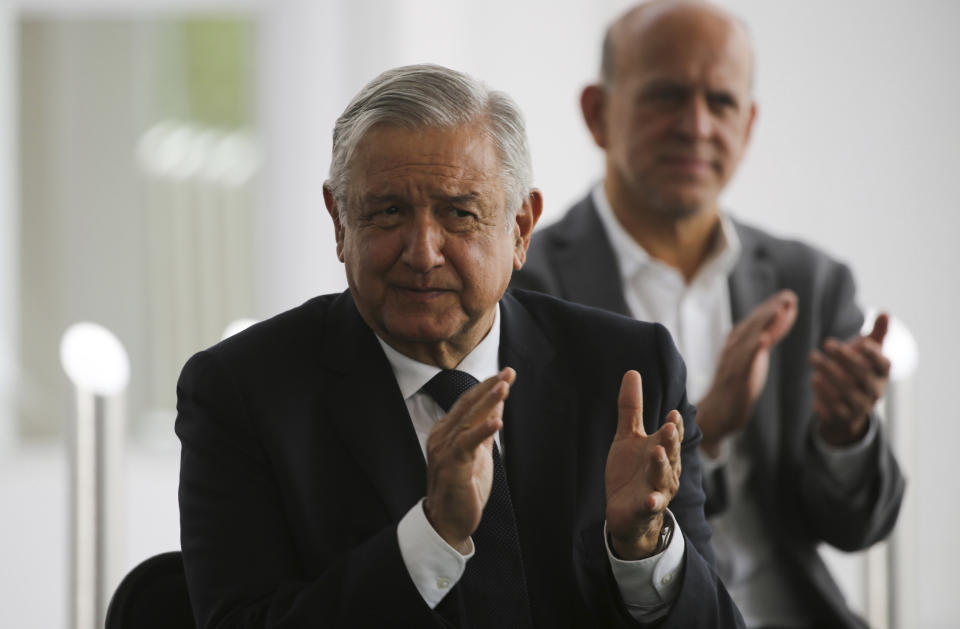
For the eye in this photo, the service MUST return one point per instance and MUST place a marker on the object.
(665, 95)
(387, 216)
(459, 213)
(721, 102)
(457, 220)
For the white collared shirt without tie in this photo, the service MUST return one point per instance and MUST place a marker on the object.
(698, 314)
(648, 587)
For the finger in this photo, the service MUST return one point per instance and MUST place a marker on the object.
(831, 367)
(856, 391)
(466, 407)
(880, 326)
(676, 419)
(863, 363)
(854, 364)
(873, 352)
(475, 404)
(829, 396)
(783, 317)
(655, 502)
(774, 316)
(669, 437)
(481, 423)
(630, 406)
(662, 478)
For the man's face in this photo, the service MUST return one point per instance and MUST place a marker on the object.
(677, 117)
(426, 244)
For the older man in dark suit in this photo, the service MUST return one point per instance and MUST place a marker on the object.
(331, 476)
(785, 387)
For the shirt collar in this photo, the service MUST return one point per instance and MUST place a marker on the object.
(481, 363)
(632, 257)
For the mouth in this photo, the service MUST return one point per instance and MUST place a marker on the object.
(422, 293)
(687, 165)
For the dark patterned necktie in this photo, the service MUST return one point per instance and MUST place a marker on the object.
(493, 586)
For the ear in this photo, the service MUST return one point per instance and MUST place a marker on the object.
(527, 217)
(750, 121)
(593, 104)
(334, 211)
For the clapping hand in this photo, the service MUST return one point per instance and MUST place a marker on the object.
(642, 474)
(743, 367)
(460, 462)
(848, 379)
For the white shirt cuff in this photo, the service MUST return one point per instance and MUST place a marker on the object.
(849, 465)
(434, 565)
(649, 586)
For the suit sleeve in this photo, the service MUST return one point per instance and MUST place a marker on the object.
(243, 568)
(832, 514)
(703, 600)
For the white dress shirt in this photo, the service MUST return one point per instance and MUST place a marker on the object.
(648, 587)
(698, 314)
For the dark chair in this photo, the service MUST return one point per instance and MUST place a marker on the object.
(152, 596)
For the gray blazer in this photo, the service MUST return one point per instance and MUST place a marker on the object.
(573, 259)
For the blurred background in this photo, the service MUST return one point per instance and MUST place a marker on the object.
(161, 164)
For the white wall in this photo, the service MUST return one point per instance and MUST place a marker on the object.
(855, 149)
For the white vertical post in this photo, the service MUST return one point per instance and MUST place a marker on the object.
(902, 574)
(9, 226)
(889, 570)
(98, 366)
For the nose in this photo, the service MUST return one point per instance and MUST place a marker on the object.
(696, 119)
(423, 249)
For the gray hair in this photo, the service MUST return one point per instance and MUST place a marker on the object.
(432, 96)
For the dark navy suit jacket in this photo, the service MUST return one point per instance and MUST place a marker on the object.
(299, 460)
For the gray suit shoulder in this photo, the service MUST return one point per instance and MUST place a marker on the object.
(797, 262)
(788, 251)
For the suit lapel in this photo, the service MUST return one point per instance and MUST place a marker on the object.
(586, 265)
(376, 428)
(540, 449)
(753, 280)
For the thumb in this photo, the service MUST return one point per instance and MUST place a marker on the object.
(880, 326)
(783, 316)
(630, 406)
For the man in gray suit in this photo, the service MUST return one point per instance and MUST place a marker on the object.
(785, 385)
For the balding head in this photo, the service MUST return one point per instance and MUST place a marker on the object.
(684, 18)
(674, 110)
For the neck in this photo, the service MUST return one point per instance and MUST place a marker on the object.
(682, 242)
(446, 354)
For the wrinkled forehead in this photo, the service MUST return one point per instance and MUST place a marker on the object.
(442, 160)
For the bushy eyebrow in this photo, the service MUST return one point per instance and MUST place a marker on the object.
(456, 199)
(677, 87)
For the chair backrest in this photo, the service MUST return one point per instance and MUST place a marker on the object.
(152, 596)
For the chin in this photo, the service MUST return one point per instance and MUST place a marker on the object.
(680, 209)
(421, 330)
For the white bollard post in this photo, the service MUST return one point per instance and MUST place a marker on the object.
(97, 364)
(889, 570)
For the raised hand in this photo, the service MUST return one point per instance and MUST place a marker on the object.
(642, 474)
(460, 460)
(848, 379)
(743, 367)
